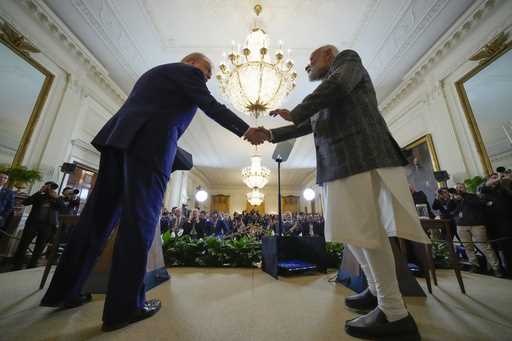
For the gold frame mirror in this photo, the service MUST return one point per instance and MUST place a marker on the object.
(486, 56)
(18, 46)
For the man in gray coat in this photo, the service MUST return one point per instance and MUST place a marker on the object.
(366, 196)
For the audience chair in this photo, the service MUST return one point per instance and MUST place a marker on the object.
(56, 246)
(431, 226)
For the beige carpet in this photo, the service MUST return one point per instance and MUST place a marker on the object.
(247, 304)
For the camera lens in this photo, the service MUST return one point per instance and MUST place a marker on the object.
(75, 191)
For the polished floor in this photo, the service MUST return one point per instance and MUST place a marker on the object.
(247, 304)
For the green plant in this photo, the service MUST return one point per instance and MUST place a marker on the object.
(334, 254)
(473, 183)
(244, 251)
(20, 176)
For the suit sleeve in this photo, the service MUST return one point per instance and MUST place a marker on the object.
(291, 131)
(194, 86)
(339, 84)
(30, 200)
(11, 202)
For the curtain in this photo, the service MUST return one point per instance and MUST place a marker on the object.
(220, 203)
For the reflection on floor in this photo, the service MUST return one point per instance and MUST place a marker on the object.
(247, 304)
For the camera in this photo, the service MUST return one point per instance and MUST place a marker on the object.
(75, 191)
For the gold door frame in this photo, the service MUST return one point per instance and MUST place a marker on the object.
(22, 47)
(486, 56)
(427, 138)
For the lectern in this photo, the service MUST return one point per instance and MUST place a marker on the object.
(290, 254)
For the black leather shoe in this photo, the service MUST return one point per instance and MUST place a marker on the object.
(498, 273)
(150, 308)
(362, 302)
(72, 303)
(375, 325)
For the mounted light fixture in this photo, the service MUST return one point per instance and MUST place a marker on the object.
(255, 197)
(309, 194)
(255, 176)
(201, 195)
(253, 82)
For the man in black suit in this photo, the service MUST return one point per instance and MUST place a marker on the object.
(70, 201)
(138, 146)
(41, 223)
(420, 198)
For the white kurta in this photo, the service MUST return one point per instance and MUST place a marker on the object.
(365, 208)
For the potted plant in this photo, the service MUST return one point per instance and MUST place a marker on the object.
(20, 177)
(473, 183)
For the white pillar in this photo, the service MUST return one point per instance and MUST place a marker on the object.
(173, 191)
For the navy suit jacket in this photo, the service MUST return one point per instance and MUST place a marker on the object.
(160, 107)
(7, 202)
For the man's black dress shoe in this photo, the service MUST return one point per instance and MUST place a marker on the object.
(150, 308)
(71, 303)
(362, 302)
(375, 325)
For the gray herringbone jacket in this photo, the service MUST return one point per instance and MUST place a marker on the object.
(351, 135)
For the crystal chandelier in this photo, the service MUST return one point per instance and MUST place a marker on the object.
(256, 175)
(255, 197)
(253, 82)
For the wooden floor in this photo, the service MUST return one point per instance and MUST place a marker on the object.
(247, 304)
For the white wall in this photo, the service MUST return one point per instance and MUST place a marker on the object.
(238, 196)
(427, 101)
(82, 97)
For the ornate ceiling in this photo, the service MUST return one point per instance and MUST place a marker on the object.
(131, 36)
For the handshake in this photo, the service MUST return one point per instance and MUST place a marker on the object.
(257, 136)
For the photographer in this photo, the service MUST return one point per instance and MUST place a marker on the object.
(41, 223)
(70, 201)
(497, 193)
(470, 219)
(444, 204)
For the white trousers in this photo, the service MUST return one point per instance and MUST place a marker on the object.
(379, 268)
(477, 234)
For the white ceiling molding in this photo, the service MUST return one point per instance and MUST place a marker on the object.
(104, 19)
(368, 14)
(405, 33)
(468, 21)
(50, 21)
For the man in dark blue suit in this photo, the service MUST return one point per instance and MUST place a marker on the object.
(7, 200)
(138, 146)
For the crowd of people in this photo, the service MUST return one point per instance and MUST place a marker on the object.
(199, 223)
(481, 220)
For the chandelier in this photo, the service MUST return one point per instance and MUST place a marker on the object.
(256, 175)
(253, 82)
(255, 197)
